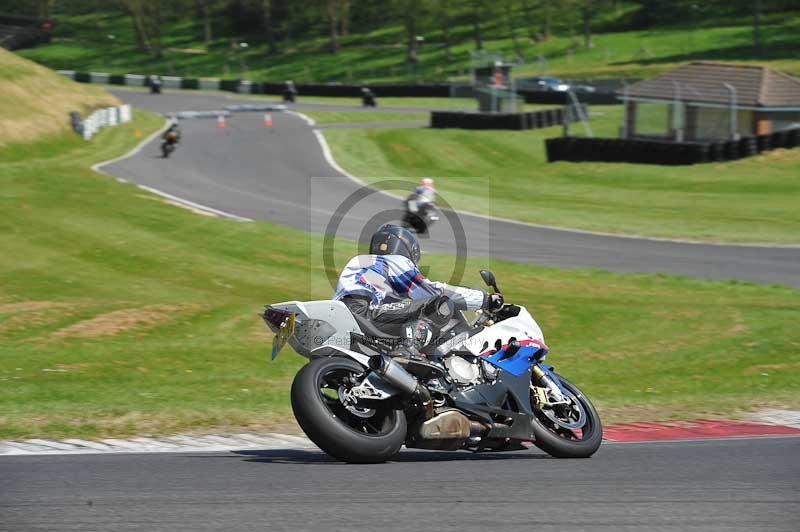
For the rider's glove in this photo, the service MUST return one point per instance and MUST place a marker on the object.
(493, 302)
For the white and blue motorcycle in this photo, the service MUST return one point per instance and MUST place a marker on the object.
(482, 385)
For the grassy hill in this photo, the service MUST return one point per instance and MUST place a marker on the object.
(34, 101)
(123, 314)
(105, 42)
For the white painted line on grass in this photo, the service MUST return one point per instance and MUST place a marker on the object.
(193, 205)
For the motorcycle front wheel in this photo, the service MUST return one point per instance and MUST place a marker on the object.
(345, 431)
(568, 431)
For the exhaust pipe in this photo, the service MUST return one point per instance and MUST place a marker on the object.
(393, 373)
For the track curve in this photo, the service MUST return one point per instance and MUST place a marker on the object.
(280, 174)
(730, 485)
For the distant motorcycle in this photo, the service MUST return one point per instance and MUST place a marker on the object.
(169, 144)
(482, 384)
(420, 215)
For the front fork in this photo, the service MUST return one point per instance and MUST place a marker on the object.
(546, 388)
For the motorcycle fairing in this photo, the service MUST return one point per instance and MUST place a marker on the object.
(316, 324)
(489, 400)
(517, 362)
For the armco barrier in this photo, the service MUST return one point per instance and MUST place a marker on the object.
(98, 77)
(170, 82)
(209, 83)
(247, 107)
(135, 80)
(201, 114)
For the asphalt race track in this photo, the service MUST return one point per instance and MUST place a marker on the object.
(724, 485)
(280, 174)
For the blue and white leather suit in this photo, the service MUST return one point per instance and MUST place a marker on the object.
(389, 290)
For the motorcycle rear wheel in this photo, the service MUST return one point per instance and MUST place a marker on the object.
(562, 442)
(347, 433)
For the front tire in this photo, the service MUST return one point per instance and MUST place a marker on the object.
(350, 434)
(560, 442)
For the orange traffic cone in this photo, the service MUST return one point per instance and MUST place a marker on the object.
(267, 119)
(221, 121)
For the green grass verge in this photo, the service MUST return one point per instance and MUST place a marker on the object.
(82, 43)
(122, 314)
(505, 173)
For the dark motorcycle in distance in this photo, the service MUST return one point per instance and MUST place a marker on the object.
(482, 385)
(420, 215)
(169, 144)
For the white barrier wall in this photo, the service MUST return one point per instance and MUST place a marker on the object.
(110, 116)
(171, 82)
(99, 77)
(209, 83)
(134, 80)
(67, 73)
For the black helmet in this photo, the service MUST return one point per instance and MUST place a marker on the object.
(392, 239)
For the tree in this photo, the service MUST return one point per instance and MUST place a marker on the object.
(444, 19)
(269, 29)
(332, 10)
(757, 44)
(412, 11)
(586, 15)
(344, 17)
(203, 9)
(147, 18)
(477, 8)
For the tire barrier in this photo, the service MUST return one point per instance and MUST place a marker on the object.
(731, 150)
(516, 121)
(110, 116)
(747, 147)
(763, 143)
(779, 139)
(716, 151)
(190, 83)
(662, 152)
(793, 138)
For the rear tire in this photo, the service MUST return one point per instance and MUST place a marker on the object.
(564, 443)
(337, 430)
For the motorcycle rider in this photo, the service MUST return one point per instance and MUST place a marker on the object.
(387, 289)
(173, 132)
(419, 203)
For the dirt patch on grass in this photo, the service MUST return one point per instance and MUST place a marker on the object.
(25, 306)
(119, 321)
(29, 315)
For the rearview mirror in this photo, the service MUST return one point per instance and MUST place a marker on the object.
(488, 278)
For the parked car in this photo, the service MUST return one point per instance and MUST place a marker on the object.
(551, 83)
